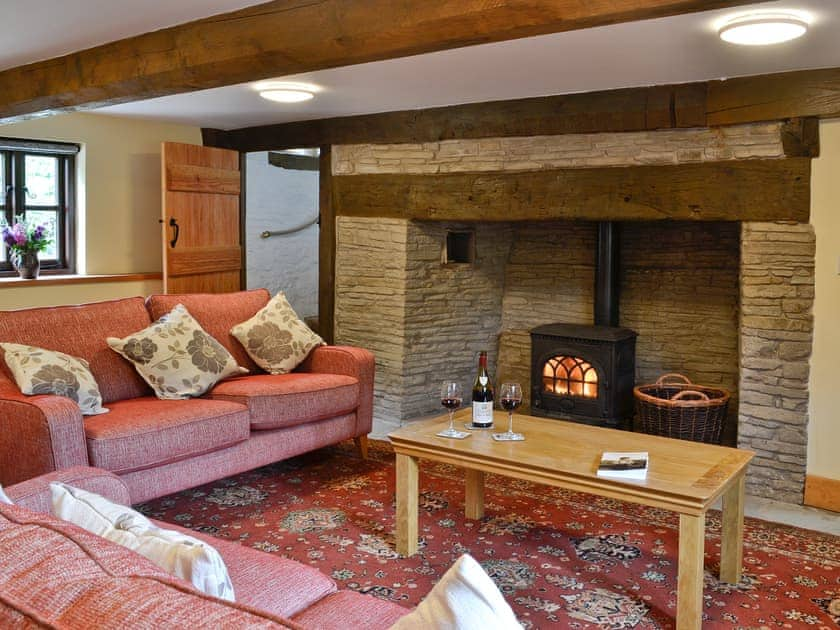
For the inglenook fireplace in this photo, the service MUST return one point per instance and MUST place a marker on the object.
(586, 373)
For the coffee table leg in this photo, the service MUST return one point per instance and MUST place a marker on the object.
(474, 494)
(732, 533)
(690, 572)
(407, 498)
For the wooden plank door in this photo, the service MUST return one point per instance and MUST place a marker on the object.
(202, 250)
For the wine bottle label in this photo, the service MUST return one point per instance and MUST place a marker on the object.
(483, 380)
(482, 413)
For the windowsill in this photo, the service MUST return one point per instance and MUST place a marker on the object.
(46, 281)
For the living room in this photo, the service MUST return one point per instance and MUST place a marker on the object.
(721, 196)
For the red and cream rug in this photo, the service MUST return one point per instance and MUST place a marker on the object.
(562, 559)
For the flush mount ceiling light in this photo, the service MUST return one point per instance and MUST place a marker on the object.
(284, 92)
(763, 29)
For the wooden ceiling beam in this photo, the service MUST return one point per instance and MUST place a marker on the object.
(286, 37)
(805, 93)
(632, 109)
(738, 190)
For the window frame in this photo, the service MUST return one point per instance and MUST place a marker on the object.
(13, 204)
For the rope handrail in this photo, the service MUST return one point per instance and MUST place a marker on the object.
(302, 226)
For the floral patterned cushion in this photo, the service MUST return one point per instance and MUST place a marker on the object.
(275, 338)
(40, 371)
(176, 357)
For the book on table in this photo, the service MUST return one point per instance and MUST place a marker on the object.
(620, 465)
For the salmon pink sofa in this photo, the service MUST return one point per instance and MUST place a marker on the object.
(56, 575)
(158, 447)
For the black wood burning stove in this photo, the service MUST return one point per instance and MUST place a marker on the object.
(586, 373)
(583, 373)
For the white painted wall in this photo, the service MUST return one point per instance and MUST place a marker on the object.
(279, 199)
(824, 411)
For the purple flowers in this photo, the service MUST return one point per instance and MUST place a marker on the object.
(22, 238)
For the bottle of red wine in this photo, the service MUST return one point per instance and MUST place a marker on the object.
(482, 395)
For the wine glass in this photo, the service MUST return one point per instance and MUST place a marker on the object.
(510, 397)
(451, 396)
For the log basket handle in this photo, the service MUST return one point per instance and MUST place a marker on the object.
(690, 392)
(673, 375)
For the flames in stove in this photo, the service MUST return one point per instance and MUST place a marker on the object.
(570, 376)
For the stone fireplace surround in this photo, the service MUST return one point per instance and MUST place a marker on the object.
(727, 303)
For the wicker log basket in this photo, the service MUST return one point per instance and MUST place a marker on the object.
(675, 407)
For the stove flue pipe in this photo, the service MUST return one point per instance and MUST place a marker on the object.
(607, 281)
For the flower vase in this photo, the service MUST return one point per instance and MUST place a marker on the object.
(27, 264)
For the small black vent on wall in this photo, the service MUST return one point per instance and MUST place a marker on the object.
(459, 248)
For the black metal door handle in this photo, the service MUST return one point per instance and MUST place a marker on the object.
(173, 222)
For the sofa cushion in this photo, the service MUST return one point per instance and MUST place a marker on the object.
(41, 371)
(145, 432)
(265, 581)
(348, 609)
(465, 598)
(175, 552)
(275, 338)
(217, 313)
(80, 331)
(176, 357)
(285, 400)
(63, 576)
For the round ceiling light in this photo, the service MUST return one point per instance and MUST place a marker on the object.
(282, 92)
(287, 96)
(763, 29)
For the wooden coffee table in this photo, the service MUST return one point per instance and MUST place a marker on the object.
(685, 477)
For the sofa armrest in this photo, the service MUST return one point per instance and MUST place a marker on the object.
(35, 493)
(350, 361)
(39, 434)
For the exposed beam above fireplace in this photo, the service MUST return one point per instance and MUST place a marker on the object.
(806, 93)
(748, 190)
(286, 37)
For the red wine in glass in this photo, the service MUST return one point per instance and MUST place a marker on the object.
(510, 399)
(511, 404)
(451, 403)
(451, 396)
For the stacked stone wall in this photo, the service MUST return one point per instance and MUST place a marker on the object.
(453, 311)
(776, 331)
(370, 288)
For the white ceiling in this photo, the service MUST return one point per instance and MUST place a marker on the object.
(668, 50)
(33, 30)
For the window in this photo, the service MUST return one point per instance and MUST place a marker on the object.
(37, 180)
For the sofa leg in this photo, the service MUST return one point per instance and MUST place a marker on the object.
(362, 445)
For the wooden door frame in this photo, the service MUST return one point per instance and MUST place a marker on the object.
(243, 271)
(326, 247)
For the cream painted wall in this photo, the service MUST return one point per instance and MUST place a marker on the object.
(27, 297)
(120, 198)
(824, 425)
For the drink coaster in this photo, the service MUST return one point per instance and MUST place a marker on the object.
(508, 437)
(458, 435)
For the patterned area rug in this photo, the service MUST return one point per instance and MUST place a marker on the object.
(563, 559)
